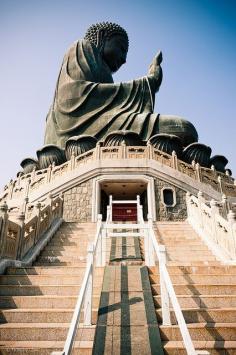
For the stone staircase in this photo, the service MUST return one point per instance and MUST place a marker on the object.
(37, 303)
(206, 291)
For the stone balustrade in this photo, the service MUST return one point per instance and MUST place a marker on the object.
(28, 183)
(218, 232)
(19, 233)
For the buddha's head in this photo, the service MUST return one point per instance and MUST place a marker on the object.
(112, 42)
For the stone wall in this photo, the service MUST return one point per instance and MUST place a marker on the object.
(175, 213)
(78, 203)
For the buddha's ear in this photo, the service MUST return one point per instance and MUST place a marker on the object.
(100, 38)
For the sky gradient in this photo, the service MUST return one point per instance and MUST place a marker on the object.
(197, 39)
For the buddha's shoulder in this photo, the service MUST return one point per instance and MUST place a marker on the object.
(82, 45)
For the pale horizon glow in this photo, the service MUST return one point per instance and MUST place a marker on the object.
(197, 39)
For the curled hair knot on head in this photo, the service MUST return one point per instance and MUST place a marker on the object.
(109, 28)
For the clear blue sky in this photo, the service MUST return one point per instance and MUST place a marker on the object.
(197, 38)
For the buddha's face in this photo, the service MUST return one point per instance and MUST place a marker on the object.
(115, 52)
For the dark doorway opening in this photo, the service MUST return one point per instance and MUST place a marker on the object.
(122, 191)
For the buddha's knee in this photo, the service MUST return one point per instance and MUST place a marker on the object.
(178, 126)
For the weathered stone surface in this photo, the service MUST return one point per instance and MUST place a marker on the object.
(78, 203)
(175, 213)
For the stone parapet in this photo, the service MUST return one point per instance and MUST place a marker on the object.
(28, 184)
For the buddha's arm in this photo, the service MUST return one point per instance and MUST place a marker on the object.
(155, 80)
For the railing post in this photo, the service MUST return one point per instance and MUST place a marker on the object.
(97, 152)
(3, 227)
(188, 197)
(198, 171)
(20, 241)
(225, 206)
(214, 212)
(140, 214)
(38, 214)
(138, 209)
(50, 203)
(124, 150)
(11, 188)
(149, 150)
(61, 196)
(24, 205)
(148, 245)
(110, 204)
(89, 291)
(99, 243)
(49, 173)
(174, 160)
(220, 184)
(103, 246)
(72, 161)
(108, 213)
(232, 230)
(201, 200)
(165, 301)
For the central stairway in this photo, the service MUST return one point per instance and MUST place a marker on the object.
(127, 322)
(206, 291)
(37, 303)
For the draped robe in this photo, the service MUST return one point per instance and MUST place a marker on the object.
(87, 101)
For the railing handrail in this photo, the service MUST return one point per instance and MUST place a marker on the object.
(98, 231)
(29, 230)
(218, 233)
(92, 250)
(172, 295)
(76, 315)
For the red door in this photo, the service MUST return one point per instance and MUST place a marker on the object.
(124, 212)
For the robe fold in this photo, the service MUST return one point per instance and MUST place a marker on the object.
(87, 101)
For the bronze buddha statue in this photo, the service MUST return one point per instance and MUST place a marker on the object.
(87, 101)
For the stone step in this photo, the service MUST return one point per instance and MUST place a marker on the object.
(35, 280)
(188, 258)
(185, 256)
(196, 270)
(53, 270)
(181, 242)
(47, 259)
(202, 301)
(48, 264)
(188, 237)
(69, 249)
(83, 347)
(175, 224)
(215, 347)
(198, 279)
(82, 238)
(177, 234)
(68, 243)
(209, 315)
(193, 264)
(82, 235)
(201, 331)
(199, 289)
(42, 332)
(64, 252)
(41, 315)
(41, 301)
(186, 248)
(30, 290)
(190, 254)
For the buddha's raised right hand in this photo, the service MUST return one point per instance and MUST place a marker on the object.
(155, 71)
